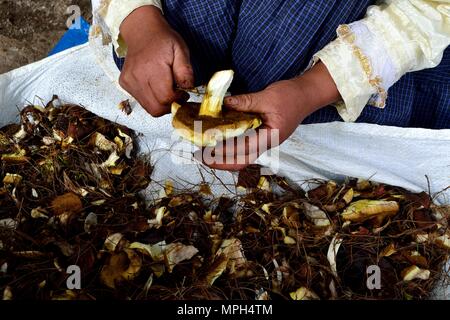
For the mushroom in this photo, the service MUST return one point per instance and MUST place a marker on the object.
(414, 272)
(207, 123)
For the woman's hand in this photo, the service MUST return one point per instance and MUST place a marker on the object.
(157, 59)
(282, 106)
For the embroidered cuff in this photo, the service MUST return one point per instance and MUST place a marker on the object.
(111, 14)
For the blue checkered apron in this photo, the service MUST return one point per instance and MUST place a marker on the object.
(269, 40)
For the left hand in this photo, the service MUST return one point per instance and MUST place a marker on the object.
(282, 106)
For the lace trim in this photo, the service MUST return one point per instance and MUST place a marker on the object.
(345, 33)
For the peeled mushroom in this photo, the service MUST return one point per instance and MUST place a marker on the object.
(207, 123)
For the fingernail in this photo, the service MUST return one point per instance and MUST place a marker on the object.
(230, 101)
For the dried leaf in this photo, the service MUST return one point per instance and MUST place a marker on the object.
(348, 196)
(168, 188)
(291, 217)
(363, 185)
(264, 184)
(134, 265)
(20, 135)
(388, 251)
(316, 216)
(7, 294)
(11, 178)
(65, 248)
(111, 161)
(443, 241)
(180, 200)
(304, 294)
(289, 241)
(249, 177)
(4, 141)
(266, 207)
(128, 143)
(177, 252)
(48, 141)
(125, 107)
(423, 219)
(414, 272)
(68, 295)
(416, 258)
(323, 192)
(101, 142)
(217, 269)
(156, 251)
(234, 253)
(422, 237)
(262, 295)
(15, 158)
(98, 202)
(113, 241)
(158, 269)
(205, 190)
(122, 266)
(39, 212)
(70, 186)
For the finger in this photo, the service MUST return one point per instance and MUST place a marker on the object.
(148, 101)
(146, 98)
(137, 85)
(237, 153)
(132, 86)
(157, 109)
(245, 103)
(182, 68)
(162, 85)
(237, 166)
(126, 80)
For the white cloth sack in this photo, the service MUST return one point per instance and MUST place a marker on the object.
(87, 75)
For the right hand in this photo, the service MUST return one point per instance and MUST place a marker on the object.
(156, 60)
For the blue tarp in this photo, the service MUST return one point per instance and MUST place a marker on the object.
(73, 37)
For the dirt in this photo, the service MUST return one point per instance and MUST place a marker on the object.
(29, 29)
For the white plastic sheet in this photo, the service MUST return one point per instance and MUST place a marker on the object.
(86, 75)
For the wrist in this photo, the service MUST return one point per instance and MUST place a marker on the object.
(141, 23)
(317, 88)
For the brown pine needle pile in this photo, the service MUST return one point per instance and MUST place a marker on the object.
(70, 187)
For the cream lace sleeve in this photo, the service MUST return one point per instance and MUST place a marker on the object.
(109, 15)
(370, 55)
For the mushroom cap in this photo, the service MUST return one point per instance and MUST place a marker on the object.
(205, 131)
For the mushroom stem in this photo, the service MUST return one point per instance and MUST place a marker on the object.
(215, 92)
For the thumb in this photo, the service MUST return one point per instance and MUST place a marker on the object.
(182, 68)
(244, 103)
